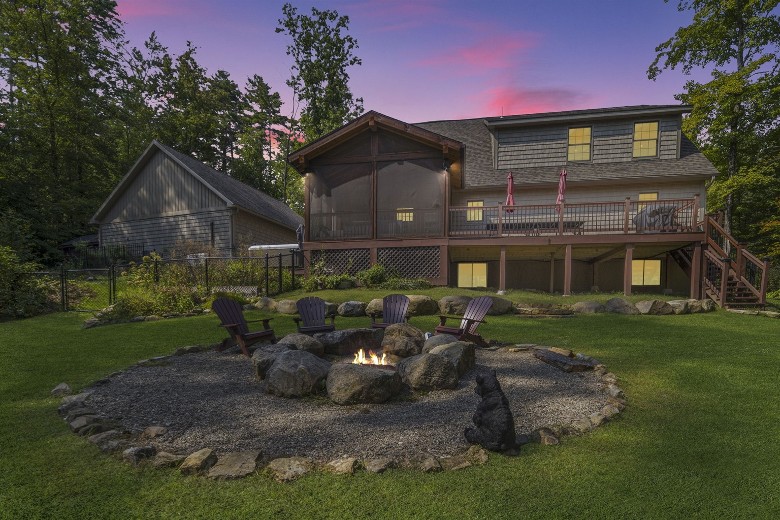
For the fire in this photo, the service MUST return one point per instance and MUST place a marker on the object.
(371, 359)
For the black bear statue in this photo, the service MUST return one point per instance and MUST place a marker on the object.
(495, 426)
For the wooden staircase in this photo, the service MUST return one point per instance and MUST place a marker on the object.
(731, 275)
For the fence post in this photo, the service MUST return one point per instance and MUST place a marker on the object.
(292, 270)
(764, 281)
(281, 278)
(266, 273)
(63, 288)
(111, 295)
(206, 267)
(724, 280)
(156, 271)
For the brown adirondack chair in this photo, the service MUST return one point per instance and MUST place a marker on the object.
(394, 309)
(475, 314)
(312, 316)
(232, 317)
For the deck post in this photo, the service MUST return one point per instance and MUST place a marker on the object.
(696, 272)
(552, 273)
(764, 281)
(627, 273)
(373, 259)
(695, 214)
(724, 280)
(626, 212)
(567, 272)
(444, 265)
(502, 270)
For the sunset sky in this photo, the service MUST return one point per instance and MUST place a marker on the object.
(427, 60)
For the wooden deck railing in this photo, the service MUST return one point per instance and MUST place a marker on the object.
(629, 216)
(726, 259)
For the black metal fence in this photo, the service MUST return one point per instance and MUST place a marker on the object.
(97, 288)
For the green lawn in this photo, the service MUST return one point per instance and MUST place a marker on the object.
(700, 437)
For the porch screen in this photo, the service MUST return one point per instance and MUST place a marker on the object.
(410, 198)
(340, 201)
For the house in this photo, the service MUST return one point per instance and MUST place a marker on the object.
(168, 199)
(430, 200)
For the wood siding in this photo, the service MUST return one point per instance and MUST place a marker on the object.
(164, 233)
(162, 187)
(548, 146)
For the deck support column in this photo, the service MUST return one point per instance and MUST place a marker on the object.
(373, 254)
(627, 274)
(502, 270)
(567, 272)
(444, 265)
(696, 271)
(552, 273)
(595, 279)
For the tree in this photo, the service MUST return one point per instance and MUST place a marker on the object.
(734, 115)
(322, 52)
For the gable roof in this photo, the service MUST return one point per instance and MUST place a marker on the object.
(232, 191)
(372, 119)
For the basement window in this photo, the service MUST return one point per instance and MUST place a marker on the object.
(646, 272)
(472, 274)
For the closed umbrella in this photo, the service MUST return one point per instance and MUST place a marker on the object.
(510, 192)
(561, 189)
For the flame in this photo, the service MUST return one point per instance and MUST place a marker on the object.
(371, 359)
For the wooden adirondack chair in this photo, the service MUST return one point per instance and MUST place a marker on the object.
(394, 308)
(312, 316)
(475, 314)
(232, 317)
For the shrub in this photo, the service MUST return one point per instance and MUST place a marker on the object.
(373, 276)
(405, 284)
(22, 293)
(141, 301)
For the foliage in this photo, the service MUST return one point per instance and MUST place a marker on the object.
(405, 284)
(22, 294)
(373, 276)
(321, 53)
(144, 301)
(735, 116)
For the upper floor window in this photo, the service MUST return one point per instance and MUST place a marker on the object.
(579, 144)
(646, 139)
(404, 214)
(473, 215)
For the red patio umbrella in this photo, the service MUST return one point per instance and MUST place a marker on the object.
(561, 189)
(510, 192)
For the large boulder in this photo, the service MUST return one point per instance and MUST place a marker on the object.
(543, 309)
(588, 307)
(438, 339)
(461, 353)
(695, 306)
(352, 309)
(347, 342)
(353, 384)
(500, 306)
(680, 306)
(428, 372)
(454, 305)
(620, 306)
(265, 356)
(654, 307)
(403, 340)
(286, 307)
(707, 305)
(298, 341)
(296, 373)
(266, 304)
(375, 307)
(420, 305)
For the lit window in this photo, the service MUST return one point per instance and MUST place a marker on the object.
(646, 272)
(474, 214)
(472, 274)
(579, 144)
(404, 214)
(646, 139)
(647, 197)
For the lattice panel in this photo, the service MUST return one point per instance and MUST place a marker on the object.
(343, 261)
(411, 262)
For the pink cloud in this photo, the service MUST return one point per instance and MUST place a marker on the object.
(510, 100)
(489, 54)
(149, 8)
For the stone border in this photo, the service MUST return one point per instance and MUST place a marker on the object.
(139, 449)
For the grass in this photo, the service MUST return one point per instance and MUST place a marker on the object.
(699, 438)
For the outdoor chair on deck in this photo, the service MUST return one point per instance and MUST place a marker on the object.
(394, 309)
(312, 312)
(475, 314)
(232, 317)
